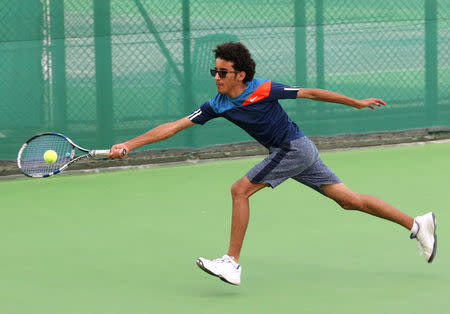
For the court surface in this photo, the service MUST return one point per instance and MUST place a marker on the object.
(126, 241)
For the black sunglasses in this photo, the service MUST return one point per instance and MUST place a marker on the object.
(222, 73)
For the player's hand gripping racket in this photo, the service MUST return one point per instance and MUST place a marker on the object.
(48, 154)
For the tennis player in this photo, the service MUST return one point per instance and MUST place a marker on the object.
(252, 104)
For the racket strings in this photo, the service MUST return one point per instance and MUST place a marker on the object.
(32, 158)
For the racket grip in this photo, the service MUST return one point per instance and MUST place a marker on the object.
(105, 152)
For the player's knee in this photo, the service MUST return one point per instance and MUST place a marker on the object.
(353, 202)
(238, 190)
(346, 205)
(349, 201)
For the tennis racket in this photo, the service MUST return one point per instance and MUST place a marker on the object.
(31, 155)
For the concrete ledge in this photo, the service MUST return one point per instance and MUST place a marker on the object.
(252, 148)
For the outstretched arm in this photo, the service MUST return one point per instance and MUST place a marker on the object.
(327, 96)
(159, 133)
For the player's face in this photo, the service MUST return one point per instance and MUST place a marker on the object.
(228, 80)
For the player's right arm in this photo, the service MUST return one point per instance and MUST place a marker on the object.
(159, 133)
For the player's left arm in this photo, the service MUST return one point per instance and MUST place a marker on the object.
(328, 96)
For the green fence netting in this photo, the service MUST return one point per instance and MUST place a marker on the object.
(104, 71)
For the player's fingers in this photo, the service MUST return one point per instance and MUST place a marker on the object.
(111, 153)
(371, 107)
(118, 153)
(378, 102)
(114, 153)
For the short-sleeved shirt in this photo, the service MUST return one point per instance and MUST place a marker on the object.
(257, 111)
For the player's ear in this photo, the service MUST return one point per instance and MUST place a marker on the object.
(241, 75)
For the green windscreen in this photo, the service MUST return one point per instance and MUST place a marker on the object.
(104, 71)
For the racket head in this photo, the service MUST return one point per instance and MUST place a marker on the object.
(30, 159)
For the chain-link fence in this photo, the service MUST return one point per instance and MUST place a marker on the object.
(104, 71)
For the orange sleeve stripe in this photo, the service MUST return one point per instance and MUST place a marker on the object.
(263, 91)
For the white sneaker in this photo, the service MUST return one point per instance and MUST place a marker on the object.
(225, 268)
(426, 235)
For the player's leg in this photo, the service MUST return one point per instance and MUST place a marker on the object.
(423, 228)
(281, 164)
(227, 267)
(322, 179)
(372, 205)
(240, 193)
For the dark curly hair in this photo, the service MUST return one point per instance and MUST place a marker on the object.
(237, 53)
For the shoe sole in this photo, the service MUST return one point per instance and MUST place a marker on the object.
(433, 254)
(202, 267)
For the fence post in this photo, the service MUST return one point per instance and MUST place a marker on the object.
(58, 66)
(431, 61)
(103, 72)
(187, 66)
(320, 51)
(300, 43)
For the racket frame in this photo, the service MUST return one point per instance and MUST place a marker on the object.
(90, 154)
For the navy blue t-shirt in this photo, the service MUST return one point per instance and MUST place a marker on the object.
(256, 110)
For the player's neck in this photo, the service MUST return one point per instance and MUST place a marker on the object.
(236, 91)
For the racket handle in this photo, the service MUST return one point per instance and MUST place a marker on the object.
(105, 152)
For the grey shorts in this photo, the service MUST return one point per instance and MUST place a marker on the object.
(299, 160)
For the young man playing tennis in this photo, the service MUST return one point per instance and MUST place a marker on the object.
(252, 104)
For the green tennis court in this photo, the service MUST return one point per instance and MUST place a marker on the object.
(126, 241)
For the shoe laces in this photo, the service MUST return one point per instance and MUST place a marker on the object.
(223, 259)
(226, 259)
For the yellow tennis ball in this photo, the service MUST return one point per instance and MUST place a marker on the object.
(50, 156)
